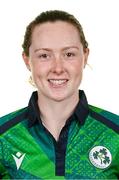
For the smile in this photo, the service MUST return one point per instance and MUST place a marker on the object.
(58, 82)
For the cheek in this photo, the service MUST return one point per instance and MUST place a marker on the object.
(39, 70)
(77, 69)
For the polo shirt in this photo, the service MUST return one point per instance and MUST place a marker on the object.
(87, 147)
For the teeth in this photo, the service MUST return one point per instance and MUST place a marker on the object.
(58, 81)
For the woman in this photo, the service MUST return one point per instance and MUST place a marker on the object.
(59, 135)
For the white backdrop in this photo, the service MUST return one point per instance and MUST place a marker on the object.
(100, 21)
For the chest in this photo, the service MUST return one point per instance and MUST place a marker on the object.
(81, 153)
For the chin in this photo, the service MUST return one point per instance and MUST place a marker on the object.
(58, 97)
(63, 95)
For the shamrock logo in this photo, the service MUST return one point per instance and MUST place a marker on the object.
(100, 157)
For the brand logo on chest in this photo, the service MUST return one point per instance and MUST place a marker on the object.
(18, 158)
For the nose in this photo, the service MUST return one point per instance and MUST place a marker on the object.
(58, 65)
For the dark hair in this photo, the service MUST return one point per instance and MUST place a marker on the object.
(51, 16)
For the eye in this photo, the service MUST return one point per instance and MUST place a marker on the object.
(43, 55)
(70, 54)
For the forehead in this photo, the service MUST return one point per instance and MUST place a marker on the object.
(58, 32)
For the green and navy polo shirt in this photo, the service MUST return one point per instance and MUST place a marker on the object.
(87, 148)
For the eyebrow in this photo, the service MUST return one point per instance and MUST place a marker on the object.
(46, 49)
(65, 48)
(69, 47)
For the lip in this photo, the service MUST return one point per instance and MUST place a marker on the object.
(57, 83)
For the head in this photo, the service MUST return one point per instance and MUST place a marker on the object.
(52, 16)
(55, 51)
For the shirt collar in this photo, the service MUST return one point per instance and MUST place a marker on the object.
(81, 111)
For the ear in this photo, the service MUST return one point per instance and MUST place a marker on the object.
(26, 61)
(86, 54)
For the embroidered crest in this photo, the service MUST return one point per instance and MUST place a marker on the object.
(100, 157)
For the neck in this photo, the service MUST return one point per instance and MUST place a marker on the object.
(54, 114)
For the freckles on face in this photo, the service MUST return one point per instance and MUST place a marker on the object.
(56, 59)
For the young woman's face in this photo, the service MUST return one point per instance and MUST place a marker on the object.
(56, 60)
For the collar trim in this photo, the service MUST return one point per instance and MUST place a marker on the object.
(81, 111)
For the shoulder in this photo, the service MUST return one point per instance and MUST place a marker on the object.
(9, 120)
(108, 118)
(111, 116)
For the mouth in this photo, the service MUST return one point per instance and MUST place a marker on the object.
(57, 82)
